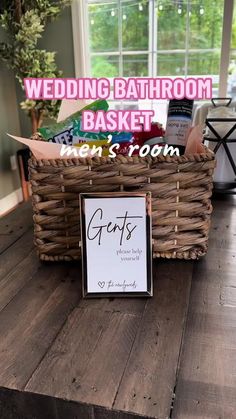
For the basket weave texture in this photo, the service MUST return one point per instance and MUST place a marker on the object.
(181, 189)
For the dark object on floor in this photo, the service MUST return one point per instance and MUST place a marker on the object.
(23, 156)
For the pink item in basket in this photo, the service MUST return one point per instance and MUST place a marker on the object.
(194, 142)
(43, 149)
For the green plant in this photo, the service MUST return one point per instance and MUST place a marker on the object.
(24, 22)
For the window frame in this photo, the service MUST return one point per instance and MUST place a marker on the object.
(82, 55)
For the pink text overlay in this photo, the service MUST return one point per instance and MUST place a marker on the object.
(117, 120)
(120, 88)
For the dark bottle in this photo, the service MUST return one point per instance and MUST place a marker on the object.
(179, 121)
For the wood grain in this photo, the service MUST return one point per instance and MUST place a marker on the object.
(91, 354)
(118, 358)
(15, 225)
(25, 405)
(67, 360)
(17, 278)
(148, 383)
(119, 305)
(206, 386)
(30, 323)
(16, 253)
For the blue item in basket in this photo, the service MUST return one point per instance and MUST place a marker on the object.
(122, 137)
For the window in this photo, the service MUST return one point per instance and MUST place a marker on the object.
(231, 86)
(155, 38)
(118, 38)
(174, 38)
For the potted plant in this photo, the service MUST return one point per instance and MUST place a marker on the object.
(24, 22)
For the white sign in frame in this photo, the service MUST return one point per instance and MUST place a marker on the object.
(116, 244)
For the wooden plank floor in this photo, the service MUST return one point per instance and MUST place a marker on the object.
(62, 357)
(206, 386)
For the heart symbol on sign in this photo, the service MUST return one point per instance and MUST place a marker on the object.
(101, 284)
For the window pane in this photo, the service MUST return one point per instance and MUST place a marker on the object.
(232, 61)
(134, 25)
(171, 64)
(189, 36)
(205, 33)
(105, 66)
(171, 25)
(103, 27)
(203, 63)
(232, 74)
(205, 24)
(135, 65)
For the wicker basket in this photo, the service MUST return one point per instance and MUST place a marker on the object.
(181, 188)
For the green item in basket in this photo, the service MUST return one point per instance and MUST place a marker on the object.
(80, 136)
(62, 132)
